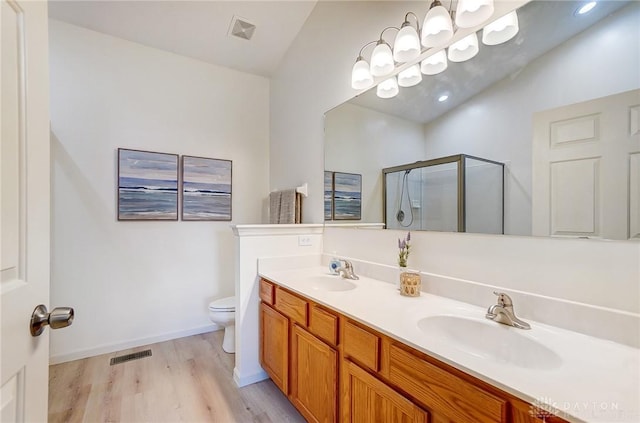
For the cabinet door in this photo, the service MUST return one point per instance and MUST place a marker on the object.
(274, 346)
(522, 412)
(366, 399)
(314, 377)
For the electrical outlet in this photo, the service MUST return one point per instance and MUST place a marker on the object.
(304, 241)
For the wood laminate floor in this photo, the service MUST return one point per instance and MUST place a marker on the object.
(185, 380)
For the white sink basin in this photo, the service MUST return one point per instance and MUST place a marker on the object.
(330, 283)
(490, 340)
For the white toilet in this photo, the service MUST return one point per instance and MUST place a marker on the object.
(223, 313)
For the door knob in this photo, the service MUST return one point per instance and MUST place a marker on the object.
(60, 317)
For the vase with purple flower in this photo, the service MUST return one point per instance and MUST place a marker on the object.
(409, 281)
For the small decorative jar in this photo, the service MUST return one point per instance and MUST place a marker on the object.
(410, 283)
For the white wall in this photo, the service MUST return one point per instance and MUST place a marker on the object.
(587, 285)
(497, 123)
(364, 141)
(314, 77)
(133, 282)
(254, 242)
(583, 270)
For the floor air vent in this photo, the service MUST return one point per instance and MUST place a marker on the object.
(129, 357)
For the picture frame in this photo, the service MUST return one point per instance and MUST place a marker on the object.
(347, 196)
(328, 195)
(147, 185)
(206, 187)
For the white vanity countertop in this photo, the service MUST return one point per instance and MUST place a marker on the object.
(586, 379)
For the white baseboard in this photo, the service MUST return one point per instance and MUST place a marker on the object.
(133, 343)
(248, 380)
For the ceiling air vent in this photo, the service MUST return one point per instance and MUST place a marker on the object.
(241, 28)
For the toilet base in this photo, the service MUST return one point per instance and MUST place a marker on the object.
(229, 340)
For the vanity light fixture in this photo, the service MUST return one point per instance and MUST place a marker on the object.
(406, 47)
(586, 8)
(437, 30)
(361, 77)
(435, 63)
(382, 60)
(382, 63)
(464, 49)
(470, 13)
(388, 88)
(410, 76)
(501, 30)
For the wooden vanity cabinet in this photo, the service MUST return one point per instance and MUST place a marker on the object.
(447, 395)
(314, 377)
(367, 399)
(335, 369)
(523, 412)
(274, 346)
(306, 336)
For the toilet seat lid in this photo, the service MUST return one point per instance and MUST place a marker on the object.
(223, 304)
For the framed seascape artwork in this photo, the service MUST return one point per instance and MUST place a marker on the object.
(206, 189)
(347, 196)
(328, 195)
(147, 185)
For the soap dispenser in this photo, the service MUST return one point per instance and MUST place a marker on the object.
(334, 264)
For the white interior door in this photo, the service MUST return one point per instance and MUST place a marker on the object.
(586, 169)
(24, 204)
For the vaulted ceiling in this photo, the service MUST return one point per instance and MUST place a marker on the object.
(197, 29)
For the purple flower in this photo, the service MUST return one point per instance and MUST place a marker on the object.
(408, 236)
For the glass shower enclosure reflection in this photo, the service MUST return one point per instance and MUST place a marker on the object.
(458, 193)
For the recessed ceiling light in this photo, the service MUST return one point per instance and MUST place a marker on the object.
(586, 8)
(442, 98)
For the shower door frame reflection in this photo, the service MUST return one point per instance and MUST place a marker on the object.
(461, 160)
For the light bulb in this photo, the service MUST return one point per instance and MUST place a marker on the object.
(388, 88)
(410, 76)
(360, 76)
(382, 60)
(464, 49)
(434, 64)
(501, 30)
(407, 45)
(437, 28)
(470, 13)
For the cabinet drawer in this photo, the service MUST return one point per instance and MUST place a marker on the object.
(291, 306)
(442, 392)
(267, 290)
(361, 345)
(323, 324)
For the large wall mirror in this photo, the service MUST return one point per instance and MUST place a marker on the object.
(548, 122)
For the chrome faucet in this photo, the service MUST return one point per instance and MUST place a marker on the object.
(346, 270)
(503, 312)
